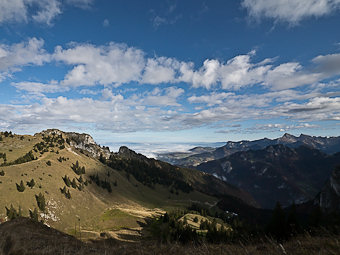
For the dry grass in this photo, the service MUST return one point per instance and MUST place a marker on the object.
(22, 236)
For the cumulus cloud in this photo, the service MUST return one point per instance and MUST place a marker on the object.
(117, 64)
(14, 57)
(47, 11)
(111, 64)
(290, 11)
(40, 11)
(159, 70)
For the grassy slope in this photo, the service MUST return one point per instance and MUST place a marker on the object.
(90, 204)
(27, 237)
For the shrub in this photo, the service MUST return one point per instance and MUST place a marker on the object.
(48, 163)
(2, 173)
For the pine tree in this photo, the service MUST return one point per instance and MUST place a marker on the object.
(41, 201)
(74, 183)
(31, 183)
(68, 194)
(34, 214)
(277, 225)
(67, 181)
(292, 221)
(11, 213)
(20, 187)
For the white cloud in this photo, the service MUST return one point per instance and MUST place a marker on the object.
(38, 88)
(106, 23)
(159, 70)
(111, 64)
(116, 64)
(48, 10)
(318, 108)
(289, 75)
(84, 4)
(40, 11)
(13, 10)
(290, 11)
(207, 75)
(210, 100)
(165, 97)
(14, 57)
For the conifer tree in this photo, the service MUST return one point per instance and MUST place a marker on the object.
(21, 186)
(41, 201)
(277, 225)
(34, 214)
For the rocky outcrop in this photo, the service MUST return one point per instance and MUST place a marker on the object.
(86, 142)
(79, 141)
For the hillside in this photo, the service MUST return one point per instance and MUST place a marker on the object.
(329, 197)
(23, 236)
(81, 186)
(276, 173)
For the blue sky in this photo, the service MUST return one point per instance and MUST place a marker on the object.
(172, 72)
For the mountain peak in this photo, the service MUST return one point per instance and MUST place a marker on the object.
(128, 153)
(288, 138)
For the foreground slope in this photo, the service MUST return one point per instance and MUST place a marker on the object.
(23, 236)
(73, 175)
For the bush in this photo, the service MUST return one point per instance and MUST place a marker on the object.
(48, 163)
(2, 173)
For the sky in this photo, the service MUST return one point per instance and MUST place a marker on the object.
(170, 71)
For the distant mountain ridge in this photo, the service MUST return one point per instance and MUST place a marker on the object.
(276, 173)
(196, 156)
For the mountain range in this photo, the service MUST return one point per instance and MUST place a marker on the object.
(198, 155)
(276, 173)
